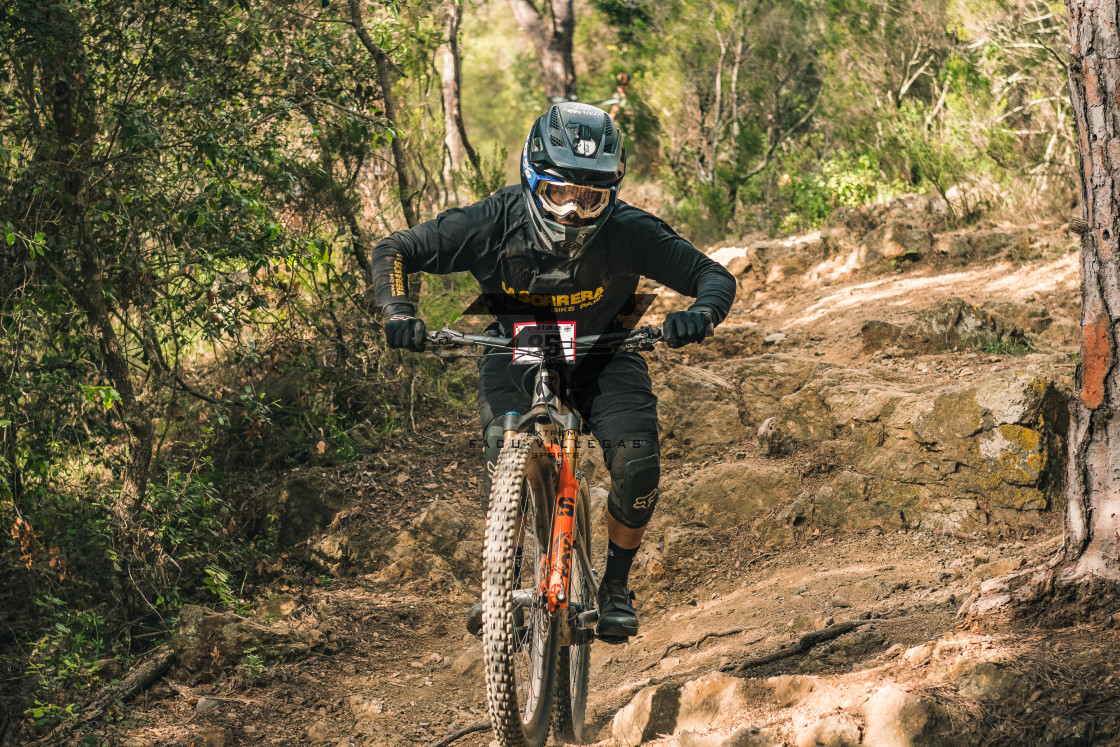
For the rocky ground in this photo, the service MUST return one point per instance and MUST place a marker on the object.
(875, 431)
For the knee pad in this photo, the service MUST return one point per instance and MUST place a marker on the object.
(635, 467)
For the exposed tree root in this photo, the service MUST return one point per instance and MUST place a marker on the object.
(803, 644)
(138, 678)
(697, 643)
(468, 729)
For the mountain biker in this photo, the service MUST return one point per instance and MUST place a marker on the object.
(562, 247)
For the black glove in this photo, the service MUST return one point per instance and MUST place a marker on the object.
(684, 327)
(404, 330)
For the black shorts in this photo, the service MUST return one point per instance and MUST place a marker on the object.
(613, 393)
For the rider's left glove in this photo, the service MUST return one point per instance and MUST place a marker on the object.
(404, 330)
(684, 327)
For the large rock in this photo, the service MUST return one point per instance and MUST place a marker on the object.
(206, 637)
(948, 325)
(895, 717)
(302, 504)
(698, 408)
(732, 493)
(699, 705)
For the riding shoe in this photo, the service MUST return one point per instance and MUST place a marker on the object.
(618, 620)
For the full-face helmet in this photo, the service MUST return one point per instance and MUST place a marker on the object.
(571, 168)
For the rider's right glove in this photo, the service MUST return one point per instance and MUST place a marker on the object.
(403, 329)
(683, 327)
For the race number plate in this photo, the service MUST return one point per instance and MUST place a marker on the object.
(534, 341)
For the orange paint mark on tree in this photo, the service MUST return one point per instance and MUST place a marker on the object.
(1096, 357)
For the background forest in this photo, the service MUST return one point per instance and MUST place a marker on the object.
(189, 192)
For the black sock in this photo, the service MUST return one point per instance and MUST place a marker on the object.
(618, 563)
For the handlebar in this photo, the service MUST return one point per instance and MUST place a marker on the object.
(642, 338)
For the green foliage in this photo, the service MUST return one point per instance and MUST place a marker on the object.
(992, 344)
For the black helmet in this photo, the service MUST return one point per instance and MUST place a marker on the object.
(571, 167)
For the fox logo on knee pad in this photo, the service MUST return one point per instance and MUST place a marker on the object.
(645, 502)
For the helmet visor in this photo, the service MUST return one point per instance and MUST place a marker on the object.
(565, 200)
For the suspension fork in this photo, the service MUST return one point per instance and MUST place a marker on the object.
(563, 523)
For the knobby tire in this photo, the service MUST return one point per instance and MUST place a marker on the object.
(517, 486)
(575, 661)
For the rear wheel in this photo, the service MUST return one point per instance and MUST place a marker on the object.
(519, 636)
(575, 660)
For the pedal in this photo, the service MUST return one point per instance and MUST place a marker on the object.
(587, 619)
(614, 640)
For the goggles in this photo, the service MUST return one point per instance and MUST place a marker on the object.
(562, 199)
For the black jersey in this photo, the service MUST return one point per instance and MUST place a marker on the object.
(492, 240)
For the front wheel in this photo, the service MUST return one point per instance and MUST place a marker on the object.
(519, 636)
(575, 660)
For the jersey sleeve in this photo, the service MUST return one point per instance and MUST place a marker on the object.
(657, 252)
(450, 242)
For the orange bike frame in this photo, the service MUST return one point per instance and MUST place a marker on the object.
(557, 581)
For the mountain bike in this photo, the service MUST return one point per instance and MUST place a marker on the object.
(539, 584)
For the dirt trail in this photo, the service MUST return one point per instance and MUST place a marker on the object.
(396, 666)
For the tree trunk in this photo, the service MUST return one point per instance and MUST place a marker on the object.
(459, 150)
(1092, 543)
(386, 75)
(552, 38)
(76, 122)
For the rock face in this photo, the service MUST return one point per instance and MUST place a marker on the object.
(893, 451)
(701, 704)
(950, 324)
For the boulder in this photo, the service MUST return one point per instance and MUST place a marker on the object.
(896, 717)
(732, 493)
(206, 637)
(440, 526)
(698, 409)
(699, 705)
(303, 504)
(950, 324)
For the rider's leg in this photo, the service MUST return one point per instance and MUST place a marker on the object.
(618, 401)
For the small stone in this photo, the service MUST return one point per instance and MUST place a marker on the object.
(839, 601)
(669, 663)
(469, 662)
(773, 338)
(206, 704)
(803, 588)
(319, 732)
